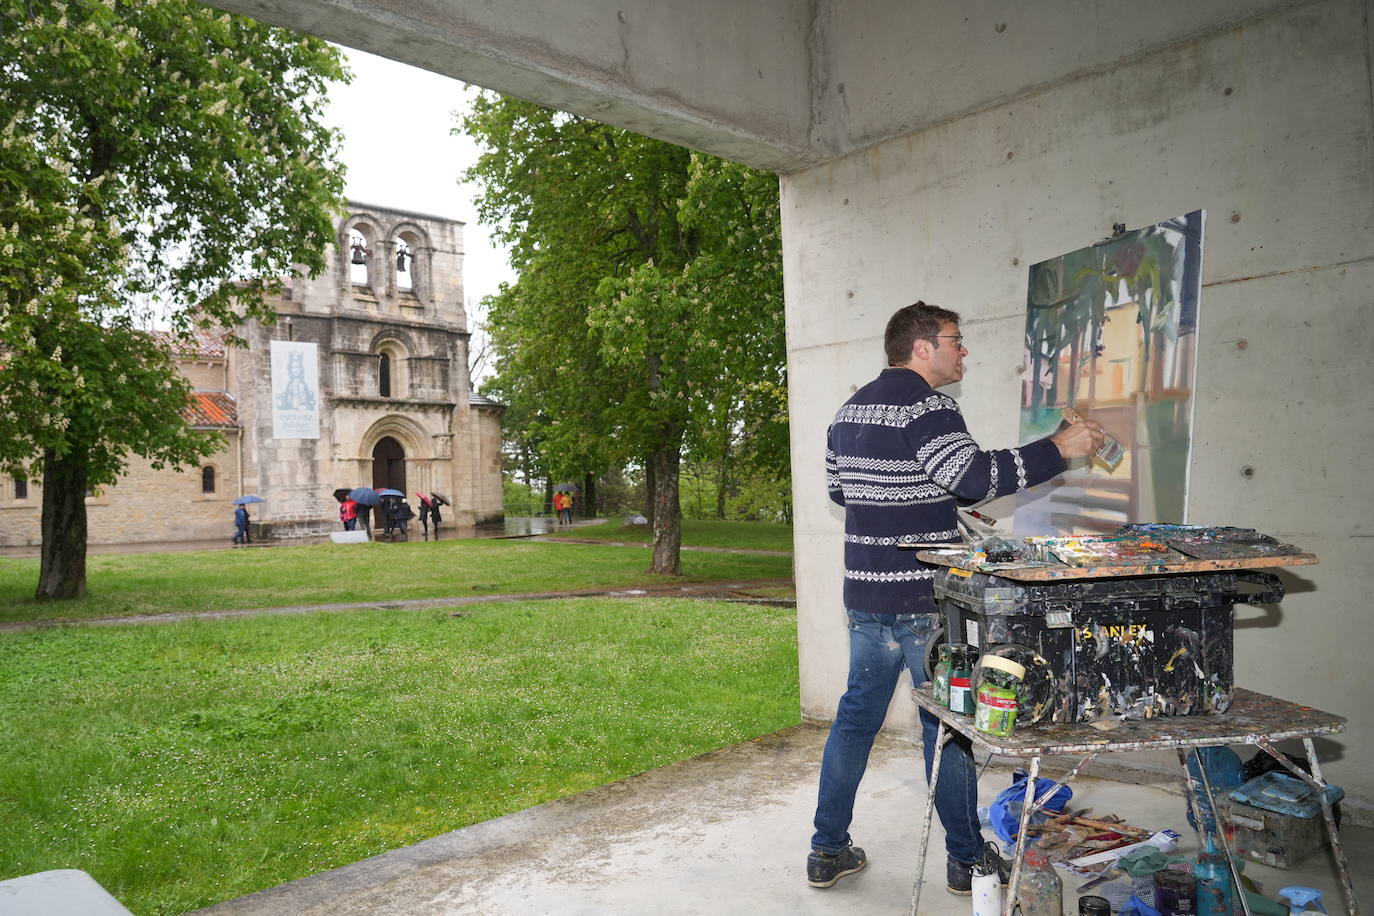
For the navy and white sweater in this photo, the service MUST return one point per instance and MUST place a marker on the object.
(900, 460)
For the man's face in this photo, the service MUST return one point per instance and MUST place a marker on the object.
(946, 363)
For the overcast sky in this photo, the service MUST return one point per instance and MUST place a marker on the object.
(396, 121)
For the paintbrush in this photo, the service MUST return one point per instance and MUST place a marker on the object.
(1106, 876)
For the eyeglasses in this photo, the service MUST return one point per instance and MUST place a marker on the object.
(957, 338)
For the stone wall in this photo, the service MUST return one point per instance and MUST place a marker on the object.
(450, 446)
(146, 505)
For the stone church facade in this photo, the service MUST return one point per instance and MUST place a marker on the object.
(362, 381)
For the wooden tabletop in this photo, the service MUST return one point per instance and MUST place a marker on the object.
(1056, 573)
(1251, 717)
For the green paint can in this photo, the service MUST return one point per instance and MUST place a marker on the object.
(996, 705)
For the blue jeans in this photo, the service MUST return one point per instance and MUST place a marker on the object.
(880, 646)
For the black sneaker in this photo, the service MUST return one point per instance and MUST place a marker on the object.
(992, 859)
(959, 877)
(823, 870)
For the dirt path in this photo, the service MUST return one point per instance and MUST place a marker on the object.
(685, 548)
(716, 591)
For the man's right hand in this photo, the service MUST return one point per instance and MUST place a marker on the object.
(1079, 440)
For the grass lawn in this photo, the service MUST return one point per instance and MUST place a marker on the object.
(696, 532)
(190, 762)
(120, 584)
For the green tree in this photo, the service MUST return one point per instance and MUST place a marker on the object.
(156, 156)
(648, 309)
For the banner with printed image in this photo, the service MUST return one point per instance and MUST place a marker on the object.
(295, 390)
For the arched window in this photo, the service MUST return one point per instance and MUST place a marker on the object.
(384, 375)
(412, 263)
(207, 479)
(405, 267)
(358, 257)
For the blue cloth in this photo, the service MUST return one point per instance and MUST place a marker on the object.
(899, 459)
(1005, 810)
(880, 646)
(1138, 907)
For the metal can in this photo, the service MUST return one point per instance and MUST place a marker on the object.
(940, 676)
(961, 679)
(1094, 906)
(1175, 893)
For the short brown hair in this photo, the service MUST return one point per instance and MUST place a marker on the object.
(910, 324)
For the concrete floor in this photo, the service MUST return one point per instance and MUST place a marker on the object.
(723, 833)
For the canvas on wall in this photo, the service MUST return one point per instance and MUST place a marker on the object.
(1111, 331)
(295, 390)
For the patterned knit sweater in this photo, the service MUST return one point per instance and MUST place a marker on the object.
(899, 459)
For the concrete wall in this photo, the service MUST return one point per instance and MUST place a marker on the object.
(1268, 127)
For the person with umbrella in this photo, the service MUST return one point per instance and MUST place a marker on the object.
(429, 512)
(241, 519)
(426, 507)
(348, 514)
(366, 498)
(435, 501)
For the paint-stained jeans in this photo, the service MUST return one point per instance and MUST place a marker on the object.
(880, 646)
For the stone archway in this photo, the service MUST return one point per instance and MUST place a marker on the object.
(389, 465)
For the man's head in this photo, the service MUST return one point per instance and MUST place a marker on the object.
(925, 339)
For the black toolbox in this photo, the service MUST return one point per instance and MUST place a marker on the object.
(1130, 646)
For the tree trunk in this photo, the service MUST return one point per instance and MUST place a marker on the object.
(62, 569)
(723, 467)
(666, 463)
(650, 489)
(588, 501)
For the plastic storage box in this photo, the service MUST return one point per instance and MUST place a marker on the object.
(1275, 819)
(1128, 646)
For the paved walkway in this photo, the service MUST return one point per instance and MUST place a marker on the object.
(723, 833)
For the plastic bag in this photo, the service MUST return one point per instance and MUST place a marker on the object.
(1005, 810)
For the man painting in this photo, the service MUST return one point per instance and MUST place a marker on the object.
(899, 459)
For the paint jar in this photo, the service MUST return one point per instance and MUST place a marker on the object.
(1041, 892)
(961, 678)
(940, 676)
(1175, 893)
(998, 681)
(1214, 892)
(1094, 906)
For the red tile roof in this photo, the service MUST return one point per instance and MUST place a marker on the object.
(201, 344)
(214, 409)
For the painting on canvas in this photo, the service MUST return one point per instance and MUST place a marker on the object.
(1111, 332)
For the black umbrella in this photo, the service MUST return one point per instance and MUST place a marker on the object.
(341, 493)
(440, 499)
(365, 496)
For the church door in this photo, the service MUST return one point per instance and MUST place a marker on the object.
(389, 465)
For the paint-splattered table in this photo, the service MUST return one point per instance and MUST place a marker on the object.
(1253, 718)
(1057, 573)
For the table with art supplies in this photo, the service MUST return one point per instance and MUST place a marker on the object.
(1092, 644)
